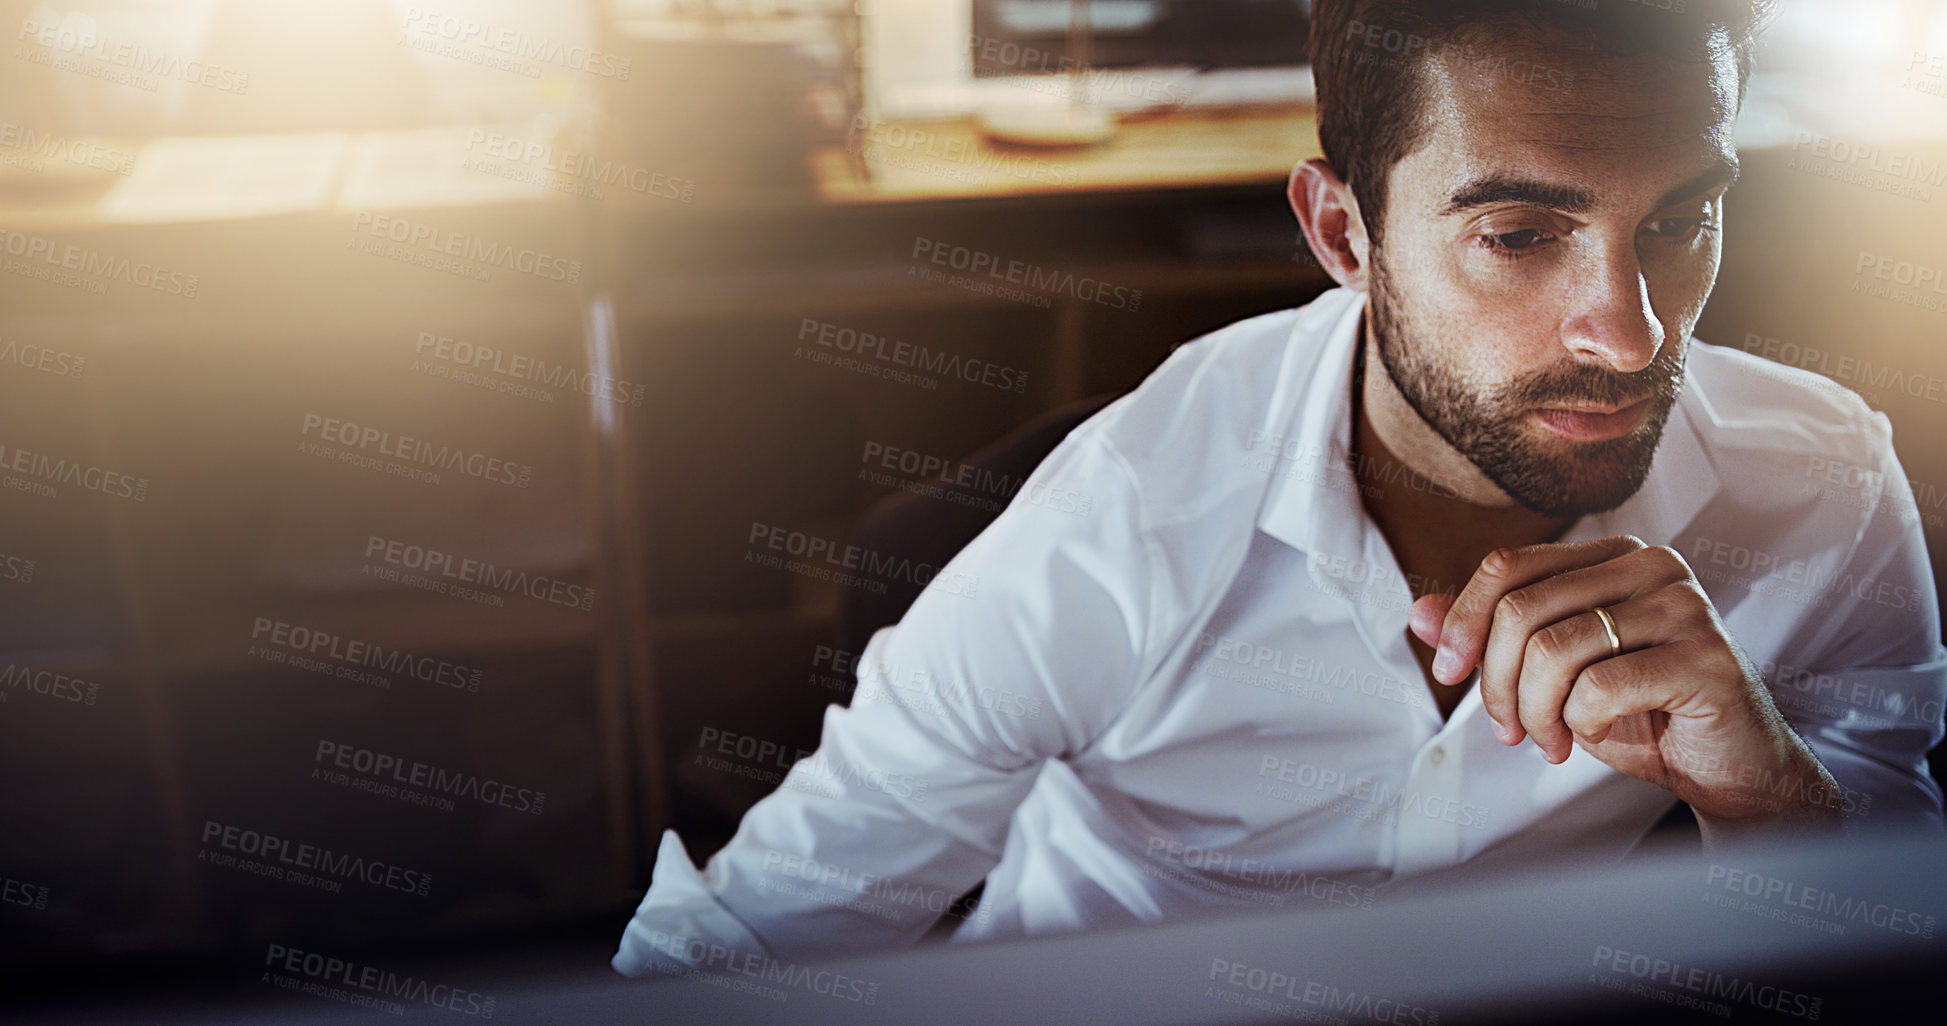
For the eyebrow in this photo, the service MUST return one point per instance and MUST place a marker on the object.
(1723, 172)
(1505, 188)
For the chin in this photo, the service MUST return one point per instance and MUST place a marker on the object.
(1554, 477)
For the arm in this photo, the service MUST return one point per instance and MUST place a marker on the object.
(1870, 698)
(1680, 706)
(1022, 650)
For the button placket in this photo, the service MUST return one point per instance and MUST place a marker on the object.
(1429, 838)
(1409, 842)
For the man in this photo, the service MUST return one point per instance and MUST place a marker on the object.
(1475, 558)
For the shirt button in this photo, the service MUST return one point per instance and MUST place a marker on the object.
(1438, 755)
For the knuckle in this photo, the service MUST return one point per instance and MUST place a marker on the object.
(1580, 717)
(1687, 604)
(1600, 679)
(1548, 644)
(1501, 562)
(1631, 542)
(1689, 596)
(1514, 609)
(1670, 559)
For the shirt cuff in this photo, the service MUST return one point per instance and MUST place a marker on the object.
(680, 925)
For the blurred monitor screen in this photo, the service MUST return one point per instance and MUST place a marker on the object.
(1014, 37)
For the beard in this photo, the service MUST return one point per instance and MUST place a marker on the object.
(1548, 475)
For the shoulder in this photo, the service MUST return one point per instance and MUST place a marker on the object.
(1743, 404)
(1186, 431)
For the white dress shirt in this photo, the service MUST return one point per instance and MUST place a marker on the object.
(1173, 674)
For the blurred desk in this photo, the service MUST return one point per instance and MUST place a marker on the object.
(947, 160)
(1183, 203)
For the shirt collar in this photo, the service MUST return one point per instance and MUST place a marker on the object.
(1313, 503)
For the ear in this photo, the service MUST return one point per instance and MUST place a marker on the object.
(1329, 214)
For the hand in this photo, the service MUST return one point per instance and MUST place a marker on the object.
(1678, 706)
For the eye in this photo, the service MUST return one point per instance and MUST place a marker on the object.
(1680, 229)
(1514, 245)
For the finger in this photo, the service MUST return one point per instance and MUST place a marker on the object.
(1661, 678)
(1557, 656)
(1464, 633)
(1523, 612)
(1426, 616)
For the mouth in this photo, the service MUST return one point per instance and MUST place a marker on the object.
(1593, 423)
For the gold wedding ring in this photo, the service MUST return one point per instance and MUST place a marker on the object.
(1609, 628)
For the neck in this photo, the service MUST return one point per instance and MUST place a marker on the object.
(1437, 511)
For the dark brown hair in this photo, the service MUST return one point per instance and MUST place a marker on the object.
(1368, 58)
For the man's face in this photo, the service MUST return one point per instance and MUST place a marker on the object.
(1546, 253)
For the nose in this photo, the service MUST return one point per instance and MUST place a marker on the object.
(1611, 319)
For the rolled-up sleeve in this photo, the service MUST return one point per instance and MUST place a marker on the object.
(1022, 648)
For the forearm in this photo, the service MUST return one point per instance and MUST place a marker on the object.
(1797, 799)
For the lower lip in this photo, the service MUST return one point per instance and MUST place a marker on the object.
(1593, 427)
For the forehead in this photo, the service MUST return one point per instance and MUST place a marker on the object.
(1551, 107)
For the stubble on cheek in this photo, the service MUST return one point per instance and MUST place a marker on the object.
(1496, 431)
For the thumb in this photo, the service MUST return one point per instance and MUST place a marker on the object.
(1429, 612)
